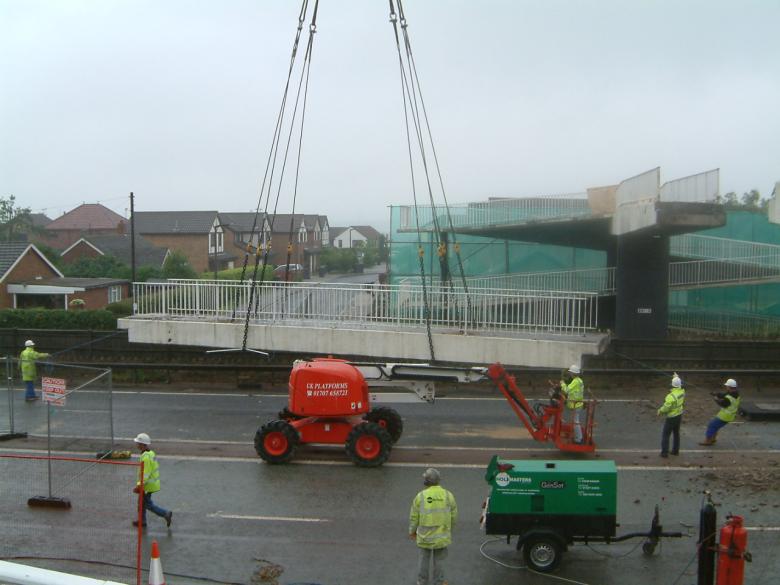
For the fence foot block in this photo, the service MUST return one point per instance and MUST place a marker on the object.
(49, 502)
(10, 436)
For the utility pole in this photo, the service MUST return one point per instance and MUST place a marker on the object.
(132, 241)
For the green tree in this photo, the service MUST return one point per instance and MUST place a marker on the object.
(176, 265)
(15, 221)
(748, 201)
(97, 267)
(51, 254)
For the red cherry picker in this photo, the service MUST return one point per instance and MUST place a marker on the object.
(329, 403)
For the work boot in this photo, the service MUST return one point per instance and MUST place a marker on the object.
(664, 455)
(168, 518)
(135, 523)
(707, 442)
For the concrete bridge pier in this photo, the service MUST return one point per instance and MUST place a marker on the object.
(642, 286)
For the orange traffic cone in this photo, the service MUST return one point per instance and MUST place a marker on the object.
(156, 576)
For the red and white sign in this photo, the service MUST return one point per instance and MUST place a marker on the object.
(53, 391)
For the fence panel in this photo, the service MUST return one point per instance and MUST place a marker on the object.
(94, 537)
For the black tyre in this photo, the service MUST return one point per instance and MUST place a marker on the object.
(388, 419)
(368, 445)
(276, 441)
(542, 553)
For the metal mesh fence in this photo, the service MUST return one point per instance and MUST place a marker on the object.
(93, 537)
(80, 420)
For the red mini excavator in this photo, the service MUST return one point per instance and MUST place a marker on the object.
(329, 402)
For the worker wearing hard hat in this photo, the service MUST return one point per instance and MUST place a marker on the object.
(431, 518)
(149, 481)
(673, 409)
(573, 390)
(729, 403)
(27, 365)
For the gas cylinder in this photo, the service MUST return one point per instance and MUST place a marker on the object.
(732, 552)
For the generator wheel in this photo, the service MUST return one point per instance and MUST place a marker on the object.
(542, 553)
(388, 419)
(368, 445)
(276, 441)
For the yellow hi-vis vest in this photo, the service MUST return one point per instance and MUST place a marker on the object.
(729, 413)
(151, 473)
(574, 392)
(27, 363)
(673, 405)
(432, 516)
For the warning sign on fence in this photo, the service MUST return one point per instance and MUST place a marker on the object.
(54, 391)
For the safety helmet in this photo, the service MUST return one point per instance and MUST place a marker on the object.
(676, 382)
(574, 369)
(143, 439)
(29, 343)
(431, 476)
(731, 383)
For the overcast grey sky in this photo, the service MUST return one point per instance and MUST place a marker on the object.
(176, 100)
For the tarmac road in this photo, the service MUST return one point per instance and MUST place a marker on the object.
(327, 522)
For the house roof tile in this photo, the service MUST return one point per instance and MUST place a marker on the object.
(88, 216)
(174, 222)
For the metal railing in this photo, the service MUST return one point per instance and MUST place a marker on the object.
(495, 212)
(708, 272)
(723, 249)
(594, 280)
(723, 322)
(373, 306)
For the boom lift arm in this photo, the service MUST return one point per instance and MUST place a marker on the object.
(544, 422)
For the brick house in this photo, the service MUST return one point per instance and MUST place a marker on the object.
(308, 233)
(354, 236)
(197, 234)
(86, 219)
(241, 229)
(118, 246)
(21, 262)
(28, 279)
(60, 292)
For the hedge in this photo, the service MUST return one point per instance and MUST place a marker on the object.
(57, 319)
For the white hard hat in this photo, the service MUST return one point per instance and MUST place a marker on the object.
(676, 382)
(143, 439)
(574, 369)
(29, 343)
(731, 383)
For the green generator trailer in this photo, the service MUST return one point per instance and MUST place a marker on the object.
(549, 505)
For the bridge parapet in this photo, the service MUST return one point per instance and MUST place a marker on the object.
(371, 306)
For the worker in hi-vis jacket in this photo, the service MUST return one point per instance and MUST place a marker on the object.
(573, 389)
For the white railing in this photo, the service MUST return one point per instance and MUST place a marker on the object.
(704, 272)
(594, 280)
(370, 306)
(724, 249)
(495, 212)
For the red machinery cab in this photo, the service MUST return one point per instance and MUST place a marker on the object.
(327, 387)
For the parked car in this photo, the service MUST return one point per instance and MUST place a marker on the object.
(289, 272)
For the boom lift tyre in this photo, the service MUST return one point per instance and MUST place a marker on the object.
(368, 445)
(388, 419)
(276, 441)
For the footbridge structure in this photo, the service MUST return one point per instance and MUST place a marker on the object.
(634, 222)
(373, 321)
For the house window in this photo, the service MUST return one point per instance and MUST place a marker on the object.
(114, 294)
